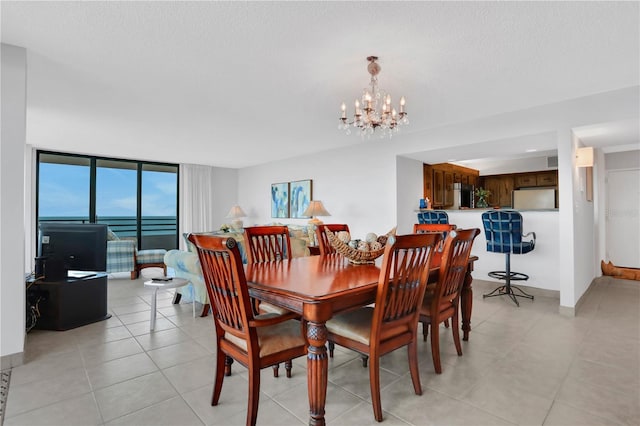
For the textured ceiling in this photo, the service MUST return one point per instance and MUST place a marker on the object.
(242, 83)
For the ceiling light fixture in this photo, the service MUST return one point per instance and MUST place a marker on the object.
(373, 113)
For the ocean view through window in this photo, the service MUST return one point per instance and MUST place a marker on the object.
(138, 200)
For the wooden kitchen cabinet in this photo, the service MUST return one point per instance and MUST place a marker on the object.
(448, 189)
(501, 187)
(438, 188)
(427, 181)
(526, 180)
(534, 179)
(438, 180)
(547, 179)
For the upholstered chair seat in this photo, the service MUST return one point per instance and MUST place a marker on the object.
(274, 338)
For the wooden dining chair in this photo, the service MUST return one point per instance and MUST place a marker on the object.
(393, 321)
(444, 301)
(267, 244)
(323, 242)
(255, 341)
(437, 228)
(430, 228)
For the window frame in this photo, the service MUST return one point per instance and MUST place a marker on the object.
(93, 161)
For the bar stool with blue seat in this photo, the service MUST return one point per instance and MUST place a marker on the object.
(503, 231)
(433, 217)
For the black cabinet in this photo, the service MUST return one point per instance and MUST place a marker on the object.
(71, 303)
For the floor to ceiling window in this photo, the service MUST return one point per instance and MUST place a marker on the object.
(136, 199)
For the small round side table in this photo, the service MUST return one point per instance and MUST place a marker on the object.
(159, 284)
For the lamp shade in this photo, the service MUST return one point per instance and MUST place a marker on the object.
(584, 157)
(236, 212)
(316, 208)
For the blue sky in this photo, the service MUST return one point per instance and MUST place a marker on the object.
(64, 191)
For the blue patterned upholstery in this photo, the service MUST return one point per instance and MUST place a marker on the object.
(121, 256)
(503, 231)
(433, 216)
(150, 256)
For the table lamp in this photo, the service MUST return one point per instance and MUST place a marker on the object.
(315, 208)
(236, 213)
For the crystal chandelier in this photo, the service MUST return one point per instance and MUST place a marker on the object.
(373, 113)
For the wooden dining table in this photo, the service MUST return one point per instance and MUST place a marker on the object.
(317, 288)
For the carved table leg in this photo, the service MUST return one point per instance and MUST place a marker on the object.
(317, 365)
(466, 302)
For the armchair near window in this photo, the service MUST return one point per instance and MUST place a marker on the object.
(121, 256)
(124, 256)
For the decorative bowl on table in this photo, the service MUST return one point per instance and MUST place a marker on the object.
(358, 256)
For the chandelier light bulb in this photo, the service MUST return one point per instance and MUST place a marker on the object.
(377, 114)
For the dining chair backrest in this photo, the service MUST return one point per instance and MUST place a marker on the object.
(267, 243)
(323, 242)
(427, 228)
(224, 277)
(503, 232)
(433, 216)
(402, 284)
(453, 267)
(438, 228)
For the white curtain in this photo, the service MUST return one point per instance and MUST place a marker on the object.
(196, 199)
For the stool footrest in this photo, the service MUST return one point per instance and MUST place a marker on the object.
(513, 276)
(507, 290)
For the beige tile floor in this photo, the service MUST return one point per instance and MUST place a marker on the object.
(526, 365)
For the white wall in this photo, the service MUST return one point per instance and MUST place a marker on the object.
(584, 241)
(357, 185)
(622, 160)
(12, 213)
(515, 165)
(409, 176)
(225, 193)
(599, 206)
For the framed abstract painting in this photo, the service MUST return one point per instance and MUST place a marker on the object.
(280, 200)
(300, 195)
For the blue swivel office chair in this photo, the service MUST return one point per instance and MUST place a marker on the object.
(433, 217)
(503, 231)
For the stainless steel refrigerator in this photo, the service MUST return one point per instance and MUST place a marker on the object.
(534, 199)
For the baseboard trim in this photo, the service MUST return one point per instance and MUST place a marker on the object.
(10, 361)
(567, 311)
(571, 311)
